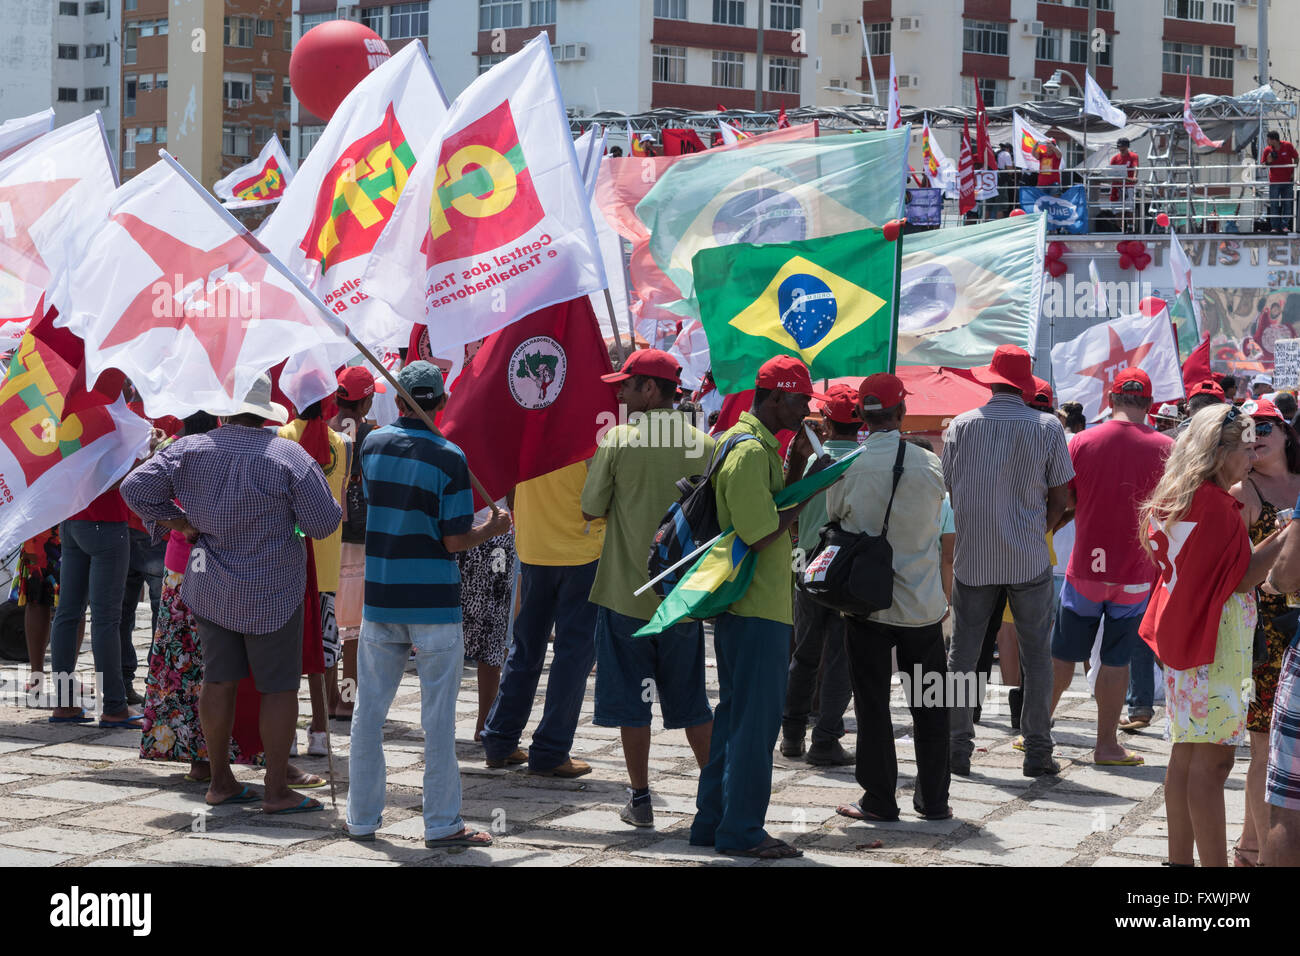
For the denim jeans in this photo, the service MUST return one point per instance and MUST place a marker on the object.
(1281, 205)
(92, 571)
(549, 595)
(146, 567)
(818, 653)
(382, 654)
(1141, 698)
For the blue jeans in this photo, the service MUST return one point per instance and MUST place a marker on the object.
(92, 571)
(1281, 205)
(549, 595)
(1141, 681)
(382, 654)
(146, 567)
(753, 657)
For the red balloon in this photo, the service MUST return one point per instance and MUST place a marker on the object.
(1141, 261)
(1125, 261)
(330, 59)
(1056, 267)
(1015, 212)
(1137, 247)
(1151, 306)
(892, 229)
(1055, 249)
(1162, 220)
(1125, 248)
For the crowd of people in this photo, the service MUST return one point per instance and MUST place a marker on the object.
(276, 545)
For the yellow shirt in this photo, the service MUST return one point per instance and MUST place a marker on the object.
(549, 528)
(327, 550)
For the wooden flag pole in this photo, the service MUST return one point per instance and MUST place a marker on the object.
(337, 324)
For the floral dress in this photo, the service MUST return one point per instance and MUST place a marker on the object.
(487, 577)
(36, 577)
(1208, 704)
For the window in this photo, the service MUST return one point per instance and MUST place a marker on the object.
(373, 17)
(1221, 60)
(993, 92)
(264, 82)
(729, 11)
(239, 31)
(486, 63)
(95, 50)
(144, 134)
(783, 74)
(129, 83)
(541, 12)
(729, 69)
(145, 83)
(146, 29)
(128, 150)
(284, 140)
(1078, 46)
(1185, 10)
(130, 5)
(669, 64)
(237, 141)
(95, 6)
(161, 26)
(1101, 4)
(307, 137)
(979, 36)
(785, 15)
(67, 9)
(265, 28)
(132, 41)
(1103, 56)
(878, 38)
(160, 135)
(160, 82)
(68, 51)
(408, 20)
(1223, 11)
(310, 20)
(1182, 57)
(95, 94)
(670, 9)
(237, 87)
(287, 34)
(286, 91)
(67, 94)
(496, 14)
(1049, 45)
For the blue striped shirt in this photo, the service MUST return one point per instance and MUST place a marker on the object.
(417, 492)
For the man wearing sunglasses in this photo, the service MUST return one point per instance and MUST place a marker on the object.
(1116, 467)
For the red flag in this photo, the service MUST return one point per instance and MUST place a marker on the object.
(984, 155)
(71, 348)
(1196, 368)
(531, 400)
(678, 142)
(782, 121)
(965, 173)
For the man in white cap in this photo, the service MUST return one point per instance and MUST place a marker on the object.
(1261, 386)
(246, 492)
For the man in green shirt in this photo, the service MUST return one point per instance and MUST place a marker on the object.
(819, 631)
(752, 639)
(632, 481)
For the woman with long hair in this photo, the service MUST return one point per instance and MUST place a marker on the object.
(1201, 619)
(1272, 484)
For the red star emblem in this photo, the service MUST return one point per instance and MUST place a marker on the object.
(1119, 359)
(20, 206)
(204, 287)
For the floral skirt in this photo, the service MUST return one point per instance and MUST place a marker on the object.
(1208, 704)
(36, 576)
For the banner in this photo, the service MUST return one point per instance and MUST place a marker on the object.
(1084, 367)
(259, 183)
(678, 142)
(1066, 212)
(1286, 365)
(924, 207)
(986, 183)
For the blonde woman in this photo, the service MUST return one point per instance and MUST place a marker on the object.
(1201, 620)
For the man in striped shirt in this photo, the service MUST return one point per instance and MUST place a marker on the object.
(420, 511)
(1007, 468)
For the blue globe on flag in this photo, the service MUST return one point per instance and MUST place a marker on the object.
(807, 307)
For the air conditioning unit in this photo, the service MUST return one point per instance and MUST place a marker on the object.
(234, 104)
(350, 11)
(1031, 28)
(845, 29)
(569, 52)
(837, 84)
(1247, 52)
(909, 24)
(908, 81)
(1032, 87)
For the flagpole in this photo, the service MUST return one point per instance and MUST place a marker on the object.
(613, 324)
(898, 274)
(333, 320)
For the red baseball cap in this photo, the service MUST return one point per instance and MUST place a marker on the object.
(1040, 396)
(653, 363)
(1266, 409)
(1011, 365)
(880, 391)
(787, 373)
(356, 382)
(1207, 387)
(1132, 381)
(841, 404)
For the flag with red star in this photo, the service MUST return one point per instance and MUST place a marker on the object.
(53, 192)
(191, 306)
(259, 183)
(17, 133)
(345, 191)
(1083, 368)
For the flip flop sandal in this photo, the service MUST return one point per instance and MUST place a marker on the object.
(464, 838)
(764, 851)
(854, 811)
(190, 778)
(1130, 759)
(320, 782)
(308, 805)
(80, 719)
(131, 723)
(1019, 744)
(244, 796)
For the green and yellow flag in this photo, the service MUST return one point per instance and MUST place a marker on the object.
(829, 302)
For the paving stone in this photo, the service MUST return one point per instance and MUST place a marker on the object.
(323, 859)
(1112, 861)
(1074, 801)
(856, 836)
(247, 832)
(681, 850)
(906, 821)
(11, 746)
(1142, 846)
(202, 851)
(83, 791)
(142, 820)
(501, 856)
(69, 841)
(992, 852)
(604, 818)
(829, 859)
(86, 751)
(587, 839)
(12, 856)
(19, 808)
(44, 766)
(12, 777)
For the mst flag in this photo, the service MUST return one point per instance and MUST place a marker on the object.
(1096, 103)
(1084, 367)
(259, 183)
(1027, 138)
(343, 195)
(495, 223)
(190, 306)
(52, 466)
(965, 291)
(18, 132)
(531, 399)
(1185, 310)
(828, 302)
(723, 573)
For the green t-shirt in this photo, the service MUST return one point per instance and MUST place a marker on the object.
(633, 481)
(745, 483)
(813, 517)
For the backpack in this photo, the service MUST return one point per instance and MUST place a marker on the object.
(354, 493)
(689, 522)
(854, 573)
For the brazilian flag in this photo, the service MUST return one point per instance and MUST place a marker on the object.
(832, 303)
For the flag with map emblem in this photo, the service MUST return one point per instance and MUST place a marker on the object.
(259, 183)
(344, 192)
(828, 302)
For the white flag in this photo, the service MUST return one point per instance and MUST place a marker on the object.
(1192, 127)
(1027, 138)
(1083, 368)
(495, 223)
(1099, 304)
(731, 135)
(191, 307)
(18, 132)
(866, 55)
(1096, 103)
(345, 191)
(1181, 267)
(259, 183)
(894, 118)
(590, 150)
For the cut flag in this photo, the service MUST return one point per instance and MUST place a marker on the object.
(680, 141)
(1196, 367)
(18, 132)
(724, 572)
(731, 135)
(894, 116)
(828, 302)
(190, 306)
(1185, 311)
(965, 173)
(1096, 103)
(495, 223)
(1027, 138)
(983, 154)
(1192, 127)
(531, 399)
(259, 183)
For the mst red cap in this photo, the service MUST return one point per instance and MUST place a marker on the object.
(1207, 387)
(654, 363)
(881, 390)
(1132, 381)
(356, 382)
(841, 404)
(788, 374)
(1040, 396)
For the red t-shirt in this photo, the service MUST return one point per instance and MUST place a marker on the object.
(1280, 162)
(1131, 160)
(107, 507)
(1116, 467)
(1049, 164)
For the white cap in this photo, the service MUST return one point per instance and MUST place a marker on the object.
(258, 402)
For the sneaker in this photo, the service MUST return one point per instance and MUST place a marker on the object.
(131, 696)
(829, 755)
(1049, 769)
(638, 814)
(568, 770)
(316, 744)
(516, 758)
(791, 746)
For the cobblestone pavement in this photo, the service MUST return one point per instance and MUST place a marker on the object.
(75, 795)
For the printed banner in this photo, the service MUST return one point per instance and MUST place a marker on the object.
(1066, 212)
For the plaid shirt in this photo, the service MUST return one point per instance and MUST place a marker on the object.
(244, 489)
